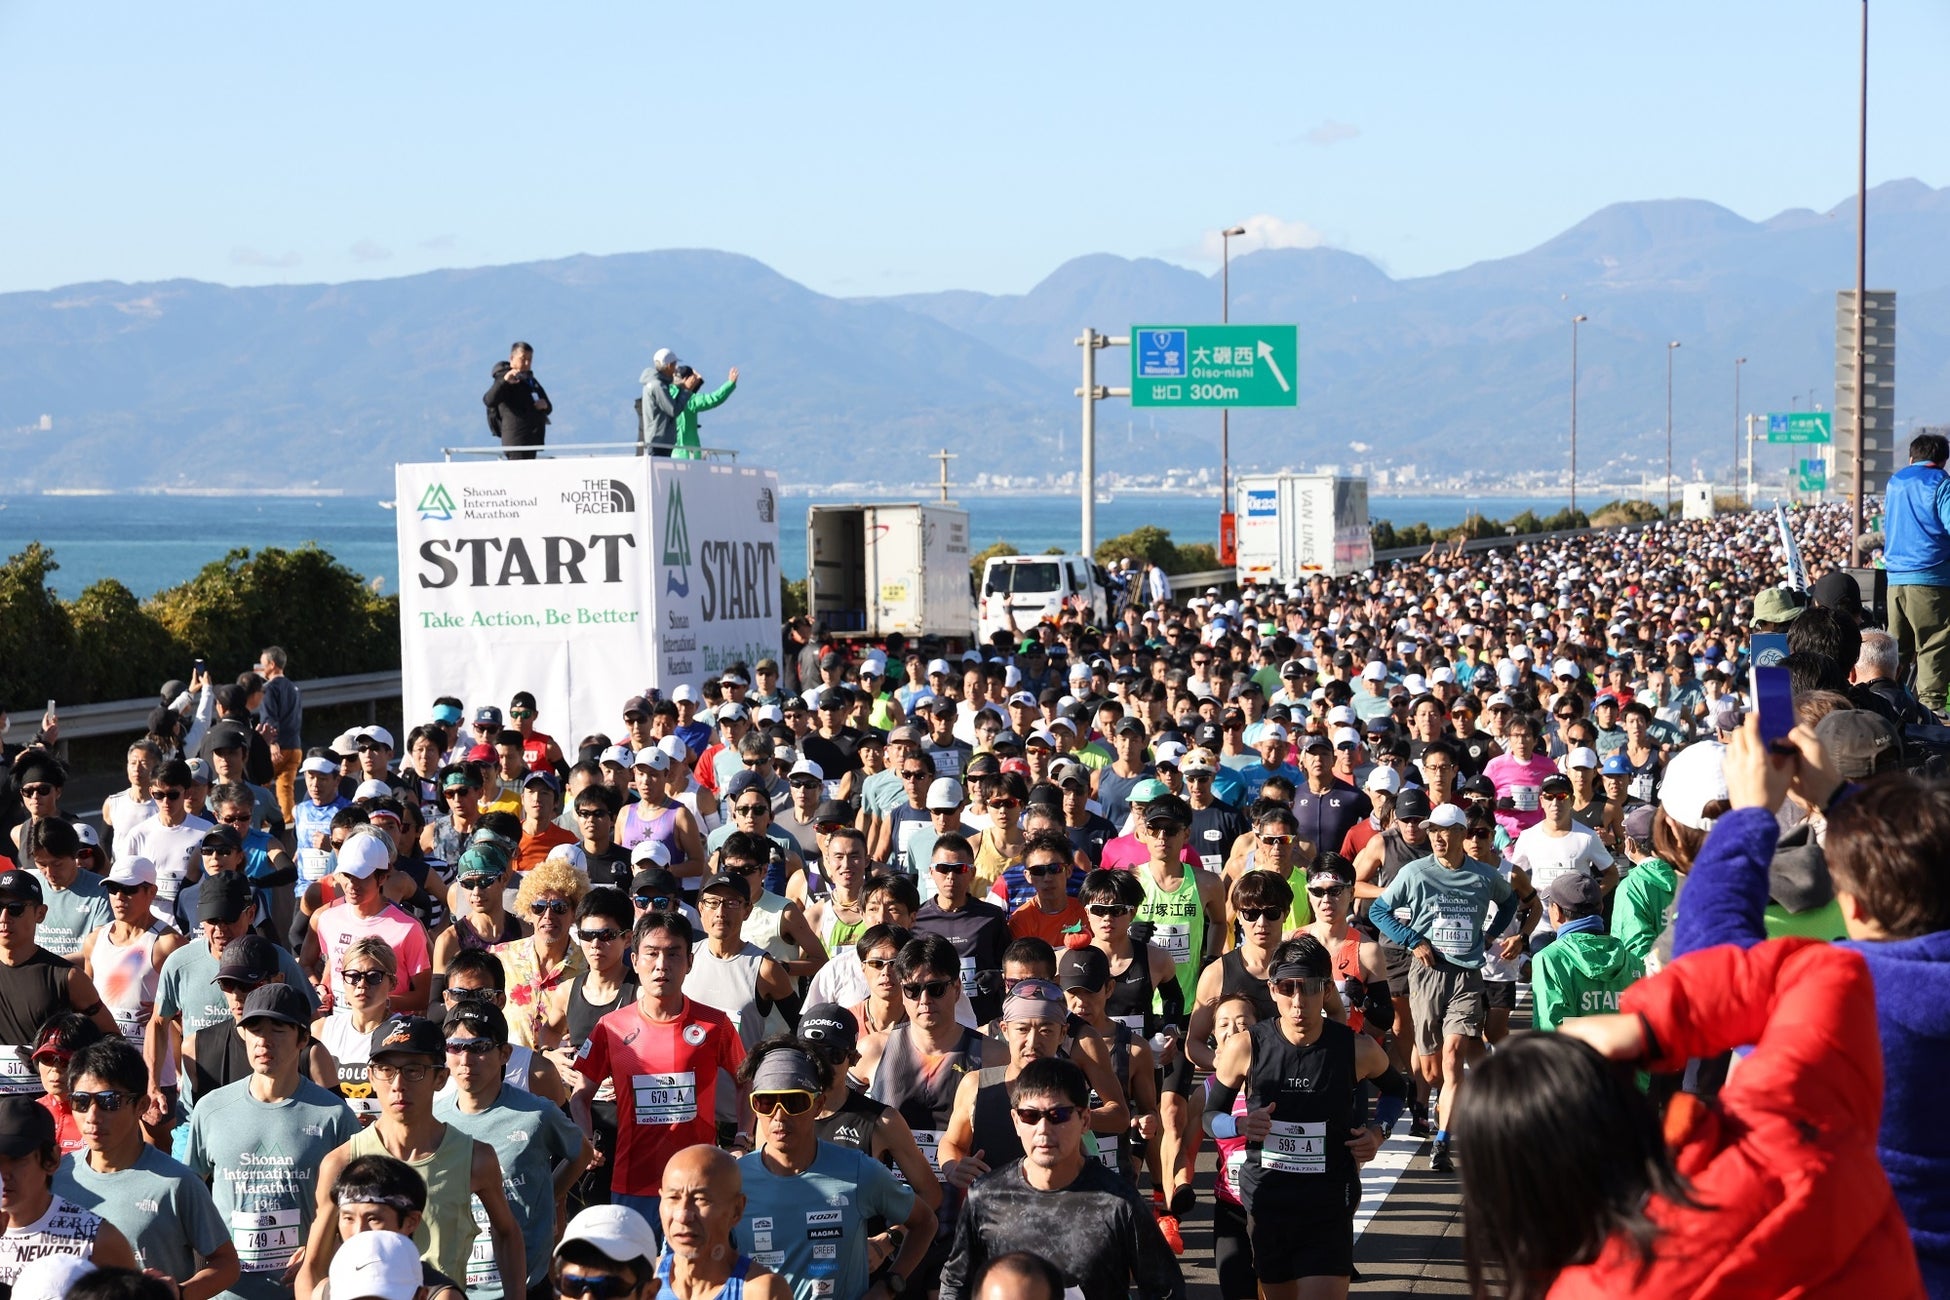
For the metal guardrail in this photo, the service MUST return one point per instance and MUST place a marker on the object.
(582, 448)
(129, 717)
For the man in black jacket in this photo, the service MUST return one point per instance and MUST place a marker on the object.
(518, 408)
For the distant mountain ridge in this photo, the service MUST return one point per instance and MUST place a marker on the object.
(188, 382)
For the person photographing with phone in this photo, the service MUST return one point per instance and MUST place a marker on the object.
(518, 408)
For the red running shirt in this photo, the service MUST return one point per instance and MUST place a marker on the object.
(666, 1077)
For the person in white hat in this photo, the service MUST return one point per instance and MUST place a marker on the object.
(377, 1266)
(125, 957)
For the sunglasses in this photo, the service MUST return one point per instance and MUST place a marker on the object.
(1109, 911)
(793, 1102)
(1312, 986)
(1328, 891)
(1277, 840)
(1050, 869)
(472, 995)
(36, 791)
(930, 990)
(916, 775)
(743, 868)
(240, 986)
(83, 1102)
(593, 812)
(605, 935)
(750, 809)
(1166, 830)
(362, 977)
(169, 794)
(550, 907)
(470, 1046)
(1479, 833)
(951, 868)
(209, 849)
(1255, 915)
(877, 963)
(1031, 1116)
(594, 1286)
(478, 882)
(828, 828)
(662, 902)
(1554, 794)
(235, 819)
(521, 713)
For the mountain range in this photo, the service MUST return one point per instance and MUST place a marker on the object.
(188, 383)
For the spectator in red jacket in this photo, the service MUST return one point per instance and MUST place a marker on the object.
(1774, 1188)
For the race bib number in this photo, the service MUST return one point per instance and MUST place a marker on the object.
(1134, 1023)
(1107, 1151)
(1235, 1165)
(266, 1239)
(313, 865)
(929, 1140)
(483, 1274)
(665, 1098)
(133, 1021)
(1454, 931)
(1175, 939)
(970, 978)
(1524, 798)
(1295, 1149)
(17, 1073)
(1210, 861)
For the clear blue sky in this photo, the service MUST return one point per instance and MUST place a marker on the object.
(883, 149)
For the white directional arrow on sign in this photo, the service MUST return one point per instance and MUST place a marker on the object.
(1266, 355)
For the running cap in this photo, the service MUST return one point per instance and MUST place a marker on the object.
(377, 1266)
(619, 1232)
(1695, 777)
(131, 872)
(830, 1024)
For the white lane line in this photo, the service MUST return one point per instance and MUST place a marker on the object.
(1379, 1174)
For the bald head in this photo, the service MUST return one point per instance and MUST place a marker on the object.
(704, 1165)
(1019, 1275)
(702, 1200)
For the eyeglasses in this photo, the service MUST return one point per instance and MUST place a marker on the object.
(605, 935)
(550, 907)
(38, 790)
(398, 1073)
(363, 977)
(594, 812)
(951, 868)
(931, 990)
(470, 1046)
(1046, 869)
(793, 1102)
(1312, 986)
(83, 1102)
(1031, 1116)
(1109, 911)
(594, 1286)
(750, 809)
(1255, 915)
(662, 902)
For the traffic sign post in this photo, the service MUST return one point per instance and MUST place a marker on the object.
(1215, 365)
(1801, 426)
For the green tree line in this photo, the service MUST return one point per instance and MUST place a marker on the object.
(107, 645)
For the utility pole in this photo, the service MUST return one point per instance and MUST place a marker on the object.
(1750, 462)
(1670, 349)
(1575, 322)
(1737, 363)
(1092, 393)
(1861, 295)
(944, 456)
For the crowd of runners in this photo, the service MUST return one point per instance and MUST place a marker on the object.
(895, 971)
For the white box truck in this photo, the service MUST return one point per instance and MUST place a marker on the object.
(875, 569)
(1292, 527)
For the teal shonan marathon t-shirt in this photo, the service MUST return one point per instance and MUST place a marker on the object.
(530, 1135)
(264, 1159)
(159, 1204)
(1449, 908)
(812, 1229)
(71, 913)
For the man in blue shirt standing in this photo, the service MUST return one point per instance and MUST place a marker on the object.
(1916, 552)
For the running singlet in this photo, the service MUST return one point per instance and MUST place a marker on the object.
(666, 1078)
(921, 1085)
(1312, 1091)
(126, 976)
(446, 1232)
(1131, 1000)
(66, 1229)
(1177, 920)
(1235, 980)
(734, 1287)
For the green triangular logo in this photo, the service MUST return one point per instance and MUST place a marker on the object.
(677, 544)
(436, 503)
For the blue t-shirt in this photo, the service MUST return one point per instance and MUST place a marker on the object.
(531, 1136)
(812, 1229)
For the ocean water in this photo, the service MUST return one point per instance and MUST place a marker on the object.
(149, 542)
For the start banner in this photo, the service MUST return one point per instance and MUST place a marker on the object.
(585, 581)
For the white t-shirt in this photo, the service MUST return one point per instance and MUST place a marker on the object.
(1546, 857)
(176, 852)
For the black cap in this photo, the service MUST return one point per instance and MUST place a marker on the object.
(727, 881)
(1838, 590)
(278, 1002)
(26, 1126)
(21, 884)
(1167, 808)
(1477, 785)
(410, 1036)
(656, 882)
(222, 896)
(1555, 783)
(1129, 726)
(248, 957)
(833, 810)
(480, 1018)
(1412, 804)
(224, 837)
(1082, 968)
(830, 1024)
(1573, 891)
(229, 735)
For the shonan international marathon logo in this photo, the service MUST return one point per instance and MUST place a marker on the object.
(601, 496)
(677, 545)
(436, 503)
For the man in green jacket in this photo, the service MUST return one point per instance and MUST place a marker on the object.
(1584, 970)
(688, 380)
(1641, 906)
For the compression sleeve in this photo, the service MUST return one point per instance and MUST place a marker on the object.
(1171, 1004)
(1378, 1007)
(1394, 1098)
(1218, 1107)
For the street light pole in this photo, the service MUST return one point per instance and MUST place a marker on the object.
(1575, 322)
(1860, 485)
(1734, 470)
(1225, 412)
(1670, 349)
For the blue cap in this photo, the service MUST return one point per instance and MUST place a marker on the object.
(1615, 764)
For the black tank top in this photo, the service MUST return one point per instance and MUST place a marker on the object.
(1396, 853)
(852, 1124)
(1235, 979)
(1118, 1043)
(924, 1097)
(584, 1014)
(30, 994)
(994, 1129)
(221, 1058)
(1315, 1102)
(1131, 992)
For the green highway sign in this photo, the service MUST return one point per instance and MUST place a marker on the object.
(1801, 426)
(1215, 365)
(1813, 476)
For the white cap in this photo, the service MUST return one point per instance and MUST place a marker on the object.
(1442, 676)
(1507, 672)
(378, 736)
(1446, 815)
(675, 749)
(664, 357)
(1582, 756)
(1496, 699)
(1169, 752)
(1383, 780)
(1079, 672)
(651, 851)
(939, 666)
(1340, 716)
(51, 1277)
(767, 713)
(372, 788)
(1011, 677)
(1345, 736)
(321, 765)
(619, 755)
(1040, 736)
(945, 792)
(1520, 651)
(1415, 684)
(1269, 731)
(806, 767)
(1695, 777)
(1024, 698)
(1564, 668)
(131, 870)
(361, 856)
(616, 1230)
(377, 1266)
(1376, 671)
(683, 694)
(652, 757)
(571, 854)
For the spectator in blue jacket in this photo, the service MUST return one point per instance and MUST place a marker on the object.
(1916, 552)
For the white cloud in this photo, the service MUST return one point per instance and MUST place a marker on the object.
(251, 257)
(1330, 133)
(1263, 231)
(367, 250)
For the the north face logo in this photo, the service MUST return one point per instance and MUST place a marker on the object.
(601, 496)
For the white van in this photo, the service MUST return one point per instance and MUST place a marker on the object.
(1033, 586)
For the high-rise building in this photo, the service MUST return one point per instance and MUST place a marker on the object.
(1880, 455)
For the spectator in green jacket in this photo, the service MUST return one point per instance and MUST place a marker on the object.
(687, 380)
(1642, 905)
(1583, 970)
